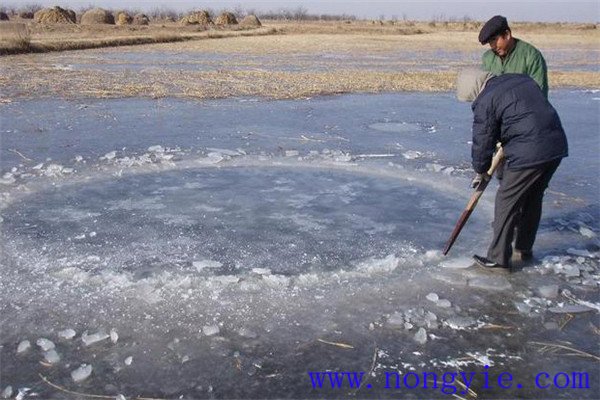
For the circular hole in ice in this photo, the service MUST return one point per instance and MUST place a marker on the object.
(229, 221)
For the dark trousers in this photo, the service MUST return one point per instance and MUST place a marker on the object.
(518, 210)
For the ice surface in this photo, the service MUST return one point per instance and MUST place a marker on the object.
(499, 283)
(307, 222)
(457, 263)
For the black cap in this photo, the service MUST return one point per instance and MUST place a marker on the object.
(495, 26)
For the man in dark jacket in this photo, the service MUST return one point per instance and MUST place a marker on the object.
(511, 109)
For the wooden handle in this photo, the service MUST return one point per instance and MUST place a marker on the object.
(496, 160)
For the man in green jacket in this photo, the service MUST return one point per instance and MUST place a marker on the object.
(508, 54)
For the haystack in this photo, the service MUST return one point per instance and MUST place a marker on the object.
(140, 19)
(251, 21)
(197, 18)
(123, 18)
(226, 18)
(97, 16)
(26, 15)
(3, 16)
(55, 15)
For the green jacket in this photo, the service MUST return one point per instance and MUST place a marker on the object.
(523, 59)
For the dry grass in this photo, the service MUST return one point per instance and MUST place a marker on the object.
(219, 84)
(15, 36)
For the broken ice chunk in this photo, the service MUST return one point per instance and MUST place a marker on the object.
(7, 392)
(412, 154)
(444, 303)
(571, 271)
(430, 317)
(81, 373)
(156, 149)
(45, 344)
(549, 292)
(551, 325)
(261, 271)
(54, 170)
(523, 308)
(109, 156)
(114, 336)
(128, 360)
(421, 336)
(210, 330)
(396, 320)
(22, 393)
(276, 280)
(579, 252)
(457, 263)
(247, 333)
(200, 265)
(432, 297)
(8, 179)
(93, 338)
(432, 255)
(67, 334)
(570, 309)
(459, 322)
(434, 167)
(23, 346)
(51, 356)
(587, 232)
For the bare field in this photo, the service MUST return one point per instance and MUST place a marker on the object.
(280, 60)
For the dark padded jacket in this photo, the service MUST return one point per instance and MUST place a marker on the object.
(512, 110)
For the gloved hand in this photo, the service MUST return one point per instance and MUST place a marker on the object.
(478, 179)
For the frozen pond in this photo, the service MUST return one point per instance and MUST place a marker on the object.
(223, 249)
(136, 61)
